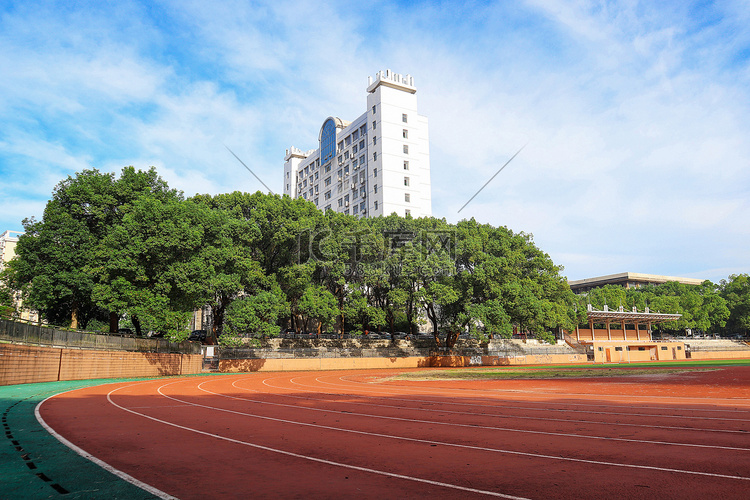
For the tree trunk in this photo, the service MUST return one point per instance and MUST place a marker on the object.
(114, 322)
(136, 324)
(74, 317)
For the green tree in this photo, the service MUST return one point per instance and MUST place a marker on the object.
(143, 265)
(318, 304)
(54, 255)
(736, 291)
(255, 315)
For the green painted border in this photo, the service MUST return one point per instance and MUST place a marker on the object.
(64, 473)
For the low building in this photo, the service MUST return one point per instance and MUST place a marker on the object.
(625, 336)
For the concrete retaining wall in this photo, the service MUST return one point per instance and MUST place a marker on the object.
(720, 355)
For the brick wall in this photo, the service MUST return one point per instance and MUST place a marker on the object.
(29, 364)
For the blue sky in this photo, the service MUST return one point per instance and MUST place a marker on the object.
(635, 115)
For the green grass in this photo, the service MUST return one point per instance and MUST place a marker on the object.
(569, 371)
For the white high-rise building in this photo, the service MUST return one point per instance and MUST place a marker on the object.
(375, 165)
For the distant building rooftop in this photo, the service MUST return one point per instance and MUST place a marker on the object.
(628, 280)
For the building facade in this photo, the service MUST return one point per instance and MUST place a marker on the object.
(8, 242)
(377, 164)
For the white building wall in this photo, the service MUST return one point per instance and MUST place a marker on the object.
(367, 174)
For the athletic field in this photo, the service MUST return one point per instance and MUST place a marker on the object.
(676, 430)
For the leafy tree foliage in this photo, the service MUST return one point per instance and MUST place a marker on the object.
(255, 315)
(736, 292)
(55, 255)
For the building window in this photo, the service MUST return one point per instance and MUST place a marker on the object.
(406, 149)
(328, 207)
(287, 175)
(362, 159)
(375, 156)
(375, 205)
(406, 181)
(407, 212)
(375, 189)
(346, 212)
(327, 195)
(346, 155)
(341, 146)
(341, 202)
(362, 144)
(374, 172)
(354, 149)
(355, 135)
(287, 187)
(328, 168)
(362, 206)
(355, 209)
(362, 129)
(374, 125)
(406, 134)
(316, 202)
(373, 110)
(407, 197)
(316, 175)
(404, 118)
(406, 164)
(348, 139)
(327, 182)
(374, 140)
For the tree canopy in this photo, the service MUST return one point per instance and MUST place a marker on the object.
(131, 247)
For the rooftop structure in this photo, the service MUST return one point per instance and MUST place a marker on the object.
(628, 280)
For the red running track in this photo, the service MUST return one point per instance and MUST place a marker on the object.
(361, 434)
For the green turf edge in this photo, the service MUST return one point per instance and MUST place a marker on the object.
(642, 364)
(63, 467)
(592, 370)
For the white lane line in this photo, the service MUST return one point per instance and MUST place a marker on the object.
(472, 426)
(455, 424)
(744, 420)
(297, 455)
(101, 463)
(354, 383)
(439, 443)
(698, 400)
(503, 407)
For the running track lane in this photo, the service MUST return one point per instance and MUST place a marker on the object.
(348, 434)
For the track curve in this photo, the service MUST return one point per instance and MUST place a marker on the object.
(364, 434)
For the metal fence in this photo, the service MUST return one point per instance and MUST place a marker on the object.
(26, 333)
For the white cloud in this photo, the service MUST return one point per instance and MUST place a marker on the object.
(634, 115)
